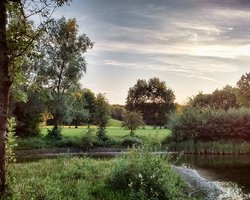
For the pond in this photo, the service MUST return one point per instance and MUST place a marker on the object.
(231, 173)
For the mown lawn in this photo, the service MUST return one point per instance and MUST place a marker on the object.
(111, 131)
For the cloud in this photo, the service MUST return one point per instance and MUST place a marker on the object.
(197, 40)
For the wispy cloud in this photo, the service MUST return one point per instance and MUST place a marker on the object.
(195, 41)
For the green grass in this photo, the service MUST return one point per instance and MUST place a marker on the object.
(114, 123)
(88, 179)
(71, 137)
(111, 131)
(72, 178)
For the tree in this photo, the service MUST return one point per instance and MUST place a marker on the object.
(102, 115)
(223, 99)
(62, 64)
(219, 99)
(243, 86)
(90, 100)
(200, 100)
(117, 111)
(79, 113)
(132, 120)
(28, 113)
(5, 73)
(153, 99)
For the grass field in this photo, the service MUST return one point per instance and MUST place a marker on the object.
(111, 131)
(72, 136)
(114, 129)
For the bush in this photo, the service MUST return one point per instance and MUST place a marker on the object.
(211, 125)
(88, 140)
(54, 133)
(144, 176)
(130, 141)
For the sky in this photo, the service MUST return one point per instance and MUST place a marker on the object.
(192, 45)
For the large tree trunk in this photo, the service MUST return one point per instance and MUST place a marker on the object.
(4, 91)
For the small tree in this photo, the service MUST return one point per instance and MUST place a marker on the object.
(101, 115)
(131, 121)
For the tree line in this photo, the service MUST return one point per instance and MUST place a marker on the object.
(221, 116)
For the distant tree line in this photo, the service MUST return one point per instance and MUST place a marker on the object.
(226, 98)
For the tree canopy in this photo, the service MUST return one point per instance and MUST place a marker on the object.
(219, 99)
(153, 99)
(62, 64)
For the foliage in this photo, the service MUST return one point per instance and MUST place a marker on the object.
(219, 99)
(131, 141)
(211, 125)
(90, 101)
(78, 113)
(131, 121)
(88, 140)
(54, 133)
(10, 143)
(28, 114)
(243, 86)
(142, 175)
(153, 99)
(8, 71)
(61, 65)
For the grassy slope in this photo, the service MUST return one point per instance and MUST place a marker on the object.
(114, 123)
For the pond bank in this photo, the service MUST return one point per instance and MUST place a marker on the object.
(23, 155)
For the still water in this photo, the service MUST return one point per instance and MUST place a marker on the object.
(231, 173)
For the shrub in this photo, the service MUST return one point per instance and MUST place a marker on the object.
(210, 125)
(130, 141)
(88, 140)
(54, 133)
(144, 176)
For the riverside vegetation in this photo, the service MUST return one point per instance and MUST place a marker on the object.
(137, 175)
(210, 131)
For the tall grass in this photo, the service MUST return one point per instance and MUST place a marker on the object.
(89, 179)
(211, 147)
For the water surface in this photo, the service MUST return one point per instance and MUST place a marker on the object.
(231, 172)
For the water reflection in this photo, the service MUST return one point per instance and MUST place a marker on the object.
(232, 173)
